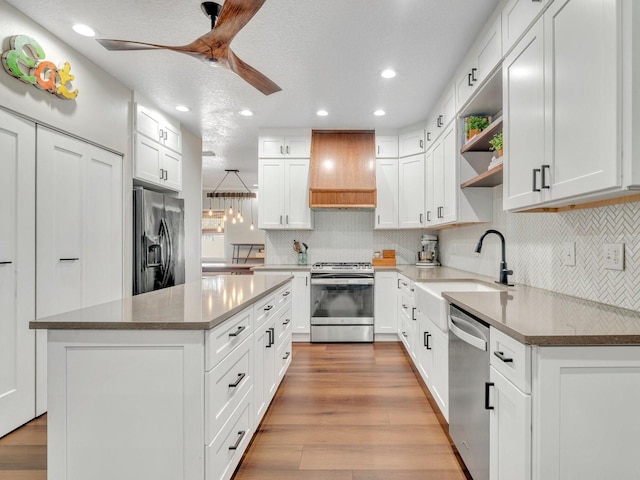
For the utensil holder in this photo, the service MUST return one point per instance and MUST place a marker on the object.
(302, 258)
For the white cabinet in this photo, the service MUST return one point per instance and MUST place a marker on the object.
(485, 54)
(517, 16)
(386, 146)
(442, 116)
(301, 303)
(79, 229)
(387, 193)
(385, 310)
(524, 121)
(407, 320)
(284, 194)
(17, 271)
(444, 180)
(157, 149)
(549, 82)
(411, 192)
(411, 143)
(509, 430)
(281, 146)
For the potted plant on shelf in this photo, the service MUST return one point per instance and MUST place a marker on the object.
(496, 143)
(475, 124)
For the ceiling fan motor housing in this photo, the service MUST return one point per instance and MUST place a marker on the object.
(211, 10)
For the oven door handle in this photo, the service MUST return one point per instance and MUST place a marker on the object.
(475, 341)
(342, 281)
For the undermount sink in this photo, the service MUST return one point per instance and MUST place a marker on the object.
(430, 302)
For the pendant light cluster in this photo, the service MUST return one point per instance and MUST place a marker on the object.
(237, 198)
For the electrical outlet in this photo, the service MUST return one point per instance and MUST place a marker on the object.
(613, 256)
(569, 254)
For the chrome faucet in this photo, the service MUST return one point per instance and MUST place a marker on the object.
(504, 272)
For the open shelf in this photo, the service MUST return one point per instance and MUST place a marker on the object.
(480, 143)
(490, 178)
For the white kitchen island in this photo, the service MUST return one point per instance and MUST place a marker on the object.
(169, 384)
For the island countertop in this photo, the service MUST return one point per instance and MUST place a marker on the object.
(199, 305)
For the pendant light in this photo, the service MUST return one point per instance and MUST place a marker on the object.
(239, 196)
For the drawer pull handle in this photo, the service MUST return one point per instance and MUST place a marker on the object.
(6, 263)
(286, 355)
(241, 435)
(427, 336)
(413, 313)
(69, 259)
(501, 356)
(487, 386)
(287, 321)
(268, 307)
(238, 331)
(404, 306)
(404, 334)
(286, 294)
(237, 382)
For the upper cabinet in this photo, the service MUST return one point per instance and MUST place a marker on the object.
(386, 146)
(411, 191)
(517, 15)
(284, 146)
(387, 193)
(157, 149)
(484, 56)
(284, 194)
(572, 72)
(441, 117)
(411, 143)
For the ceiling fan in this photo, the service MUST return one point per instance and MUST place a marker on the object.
(226, 21)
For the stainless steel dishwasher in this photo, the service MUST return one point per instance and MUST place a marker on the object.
(469, 390)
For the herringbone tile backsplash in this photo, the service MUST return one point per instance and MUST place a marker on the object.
(534, 248)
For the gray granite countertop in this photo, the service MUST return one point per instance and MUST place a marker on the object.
(197, 305)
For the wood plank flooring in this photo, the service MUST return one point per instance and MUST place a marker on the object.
(350, 412)
(342, 412)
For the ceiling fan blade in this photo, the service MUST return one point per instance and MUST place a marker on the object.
(115, 45)
(234, 16)
(251, 75)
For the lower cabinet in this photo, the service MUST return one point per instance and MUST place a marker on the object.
(385, 311)
(164, 404)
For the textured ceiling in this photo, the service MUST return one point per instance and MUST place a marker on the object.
(323, 54)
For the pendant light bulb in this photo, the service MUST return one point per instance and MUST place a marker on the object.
(219, 228)
(251, 227)
(210, 213)
(233, 220)
(241, 219)
(230, 210)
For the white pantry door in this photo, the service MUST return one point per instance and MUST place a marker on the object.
(17, 271)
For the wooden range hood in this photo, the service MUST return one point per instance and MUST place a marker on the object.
(343, 169)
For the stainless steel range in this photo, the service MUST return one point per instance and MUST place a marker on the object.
(341, 302)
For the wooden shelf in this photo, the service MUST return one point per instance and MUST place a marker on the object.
(490, 178)
(480, 143)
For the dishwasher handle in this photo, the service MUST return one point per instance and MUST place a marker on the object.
(478, 342)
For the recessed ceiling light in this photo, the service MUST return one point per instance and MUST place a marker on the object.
(379, 113)
(388, 73)
(246, 113)
(322, 113)
(84, 30)
(182, 108)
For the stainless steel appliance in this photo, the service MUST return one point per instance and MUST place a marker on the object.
(428, 255)
(341, 302)
(468, 384)
(158, 245)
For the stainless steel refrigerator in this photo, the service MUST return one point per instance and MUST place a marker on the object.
(158, 246)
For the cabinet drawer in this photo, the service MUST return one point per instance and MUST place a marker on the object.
(283, 296)
(283, 356)
(225, 452)
(221, 340)
(405, 285)
(263, 310)
(224, 385)
(511, 358)
(284, 322)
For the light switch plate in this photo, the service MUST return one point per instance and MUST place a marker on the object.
(613, 256)
(569, 254)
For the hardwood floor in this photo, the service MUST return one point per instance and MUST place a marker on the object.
(23, 452)
(350, 412)
(342, 412)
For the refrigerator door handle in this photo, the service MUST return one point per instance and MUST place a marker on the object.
(153, 252)
(166, 267)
